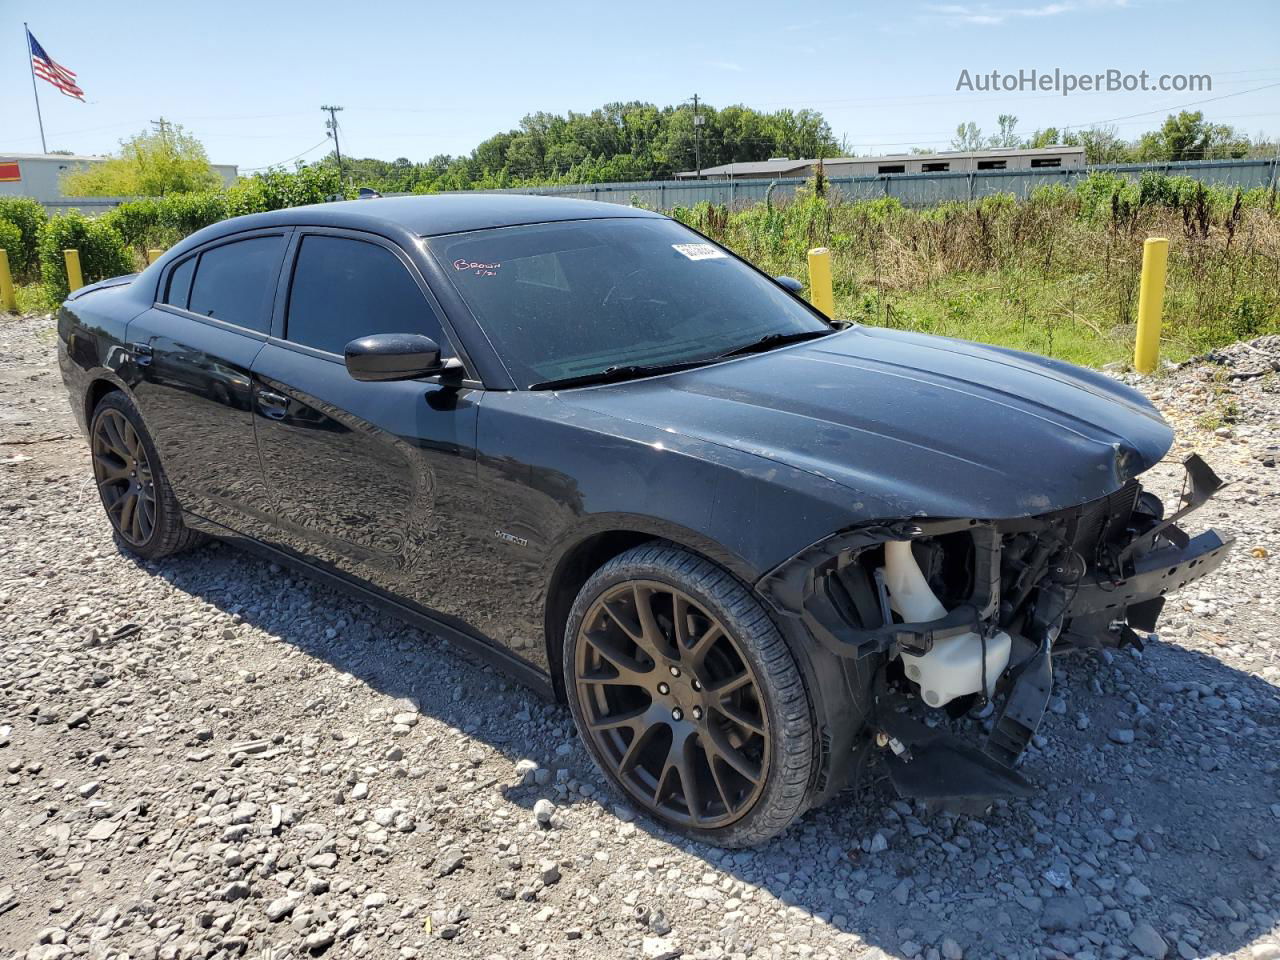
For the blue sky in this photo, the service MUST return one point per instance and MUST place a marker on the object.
(417, 79)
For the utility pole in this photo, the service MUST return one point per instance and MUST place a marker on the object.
(162, 127)
(697, 136)
(331, 125)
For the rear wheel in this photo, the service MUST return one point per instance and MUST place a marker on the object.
(132, 484)
(688, 698)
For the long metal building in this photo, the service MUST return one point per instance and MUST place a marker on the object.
(958, 161)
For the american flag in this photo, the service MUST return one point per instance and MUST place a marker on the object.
(46, 68)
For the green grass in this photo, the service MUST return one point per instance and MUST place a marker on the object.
(1052, 316)
(34, 298)
(1056, 274)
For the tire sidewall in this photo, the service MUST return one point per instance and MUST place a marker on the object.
(122, 404)
(744, 831)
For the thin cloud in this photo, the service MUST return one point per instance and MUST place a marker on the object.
(727, 65)
(987, 15)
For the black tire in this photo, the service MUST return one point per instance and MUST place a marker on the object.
(165, 534)
(786, 758)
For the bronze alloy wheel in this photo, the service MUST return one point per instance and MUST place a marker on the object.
(123, 474)
(672, 705)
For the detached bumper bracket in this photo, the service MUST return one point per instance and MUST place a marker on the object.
(1155, 575)
(1203, 483)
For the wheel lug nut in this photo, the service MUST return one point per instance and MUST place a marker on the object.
(675, 671)
(663, 689)
(697, 713)
(697, 685)
(677, 714)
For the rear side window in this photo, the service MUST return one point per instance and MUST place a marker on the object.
(235, 282)
(180, 283)
(344, 289)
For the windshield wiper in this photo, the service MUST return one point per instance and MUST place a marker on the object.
(771, 340)
(617, 374)
(622, 372)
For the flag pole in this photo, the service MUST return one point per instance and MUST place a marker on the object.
(35, 90)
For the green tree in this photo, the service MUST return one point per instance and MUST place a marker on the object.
(1048, 137)
(1101, 145)
(1188, 136)
(150, 164)
(1007, 135)
(968, 137)
(617, 141)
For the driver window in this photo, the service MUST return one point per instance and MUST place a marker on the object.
(343, 289)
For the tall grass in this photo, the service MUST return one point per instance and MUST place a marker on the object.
(1055, 274)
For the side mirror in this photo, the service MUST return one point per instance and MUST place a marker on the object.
(790, 283)
(393, 356)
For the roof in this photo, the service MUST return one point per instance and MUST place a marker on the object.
(444, 213)
(966, 154)
(62, 157)
(754, 167)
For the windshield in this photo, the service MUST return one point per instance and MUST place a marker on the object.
(578, 297)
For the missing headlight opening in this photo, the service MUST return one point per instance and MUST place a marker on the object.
(954, 614)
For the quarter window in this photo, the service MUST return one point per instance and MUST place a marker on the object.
(235, 282)
(345, 289)
(180, 283)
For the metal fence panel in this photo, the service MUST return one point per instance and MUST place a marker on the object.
(913, 190)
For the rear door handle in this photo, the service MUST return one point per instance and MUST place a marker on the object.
(274, 405)
(141, 353)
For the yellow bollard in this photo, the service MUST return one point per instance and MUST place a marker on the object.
(75, 280)
(153, 256)
(820, 292)
(7, 299)
(1146, 346)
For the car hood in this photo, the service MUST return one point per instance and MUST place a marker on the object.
(912, 425)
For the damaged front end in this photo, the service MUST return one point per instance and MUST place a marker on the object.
(960, 612)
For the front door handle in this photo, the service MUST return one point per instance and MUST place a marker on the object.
(274, 405)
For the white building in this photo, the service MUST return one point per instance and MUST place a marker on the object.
(955, 161)
(38, 175)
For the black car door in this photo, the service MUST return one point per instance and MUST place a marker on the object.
(193, 351)
(373, 480)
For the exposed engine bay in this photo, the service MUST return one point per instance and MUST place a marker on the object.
(958, 614)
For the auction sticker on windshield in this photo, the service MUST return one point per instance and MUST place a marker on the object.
(699, 251)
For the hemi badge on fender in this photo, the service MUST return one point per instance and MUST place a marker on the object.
(512, 538)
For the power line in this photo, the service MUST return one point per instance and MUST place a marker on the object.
(1176, 106)
(296, 156)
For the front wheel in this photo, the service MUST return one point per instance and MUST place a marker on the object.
(688, 698)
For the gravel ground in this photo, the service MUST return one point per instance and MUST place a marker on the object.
(210, 756)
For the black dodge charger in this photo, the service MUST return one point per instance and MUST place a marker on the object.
(751, 547)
